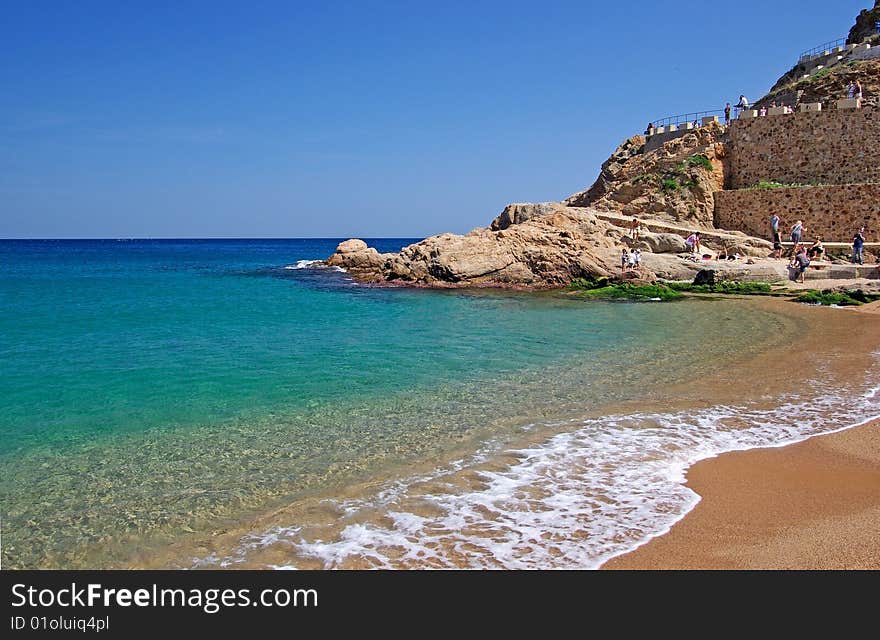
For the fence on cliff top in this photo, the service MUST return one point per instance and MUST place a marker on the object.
(827, 46)
(696, 116)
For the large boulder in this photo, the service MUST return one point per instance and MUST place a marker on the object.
(664, 242)
(357, 258)
(519, 212)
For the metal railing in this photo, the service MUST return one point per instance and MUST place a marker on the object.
(828, 46)
(696, 116)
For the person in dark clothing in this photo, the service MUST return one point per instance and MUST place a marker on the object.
(801, 262)
(727, 114)
(858, 245)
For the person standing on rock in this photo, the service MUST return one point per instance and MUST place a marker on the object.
(635, 229)
(637, 259)
(858, 94)
(727, 113)
(858, 245)
(777, 237)
(624, 259)
(851, 90)
(796, 232)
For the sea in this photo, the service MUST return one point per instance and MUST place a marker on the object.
(238, 404)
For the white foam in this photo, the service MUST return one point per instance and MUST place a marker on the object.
(303, 264)
(576, 500)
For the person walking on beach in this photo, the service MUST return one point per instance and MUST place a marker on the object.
(858, 245)
(727, 113)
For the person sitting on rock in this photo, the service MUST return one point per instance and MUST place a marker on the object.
(816, 250)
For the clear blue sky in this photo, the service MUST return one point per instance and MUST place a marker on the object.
(370, 119)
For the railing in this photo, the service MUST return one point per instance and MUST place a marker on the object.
(828, 46)
(683, 118)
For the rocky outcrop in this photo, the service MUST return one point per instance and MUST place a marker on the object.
(608, 176)
(518, 213)
(358, 259)
(545, 250)
(674, 182)
(864, 27)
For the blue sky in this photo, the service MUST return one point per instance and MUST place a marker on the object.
(338, 119)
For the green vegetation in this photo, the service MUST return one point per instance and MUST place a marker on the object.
(740, 288)
(839, 298)
(821, 73)
(670, 184)
(602, 288)
(700, 160)
(632, 292)
(772, 184)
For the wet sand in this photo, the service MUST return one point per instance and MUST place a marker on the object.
(812, 505)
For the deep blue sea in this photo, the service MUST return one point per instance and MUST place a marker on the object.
(164, 395)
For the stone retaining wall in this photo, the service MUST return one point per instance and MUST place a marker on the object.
(829, 147)
(834, 212)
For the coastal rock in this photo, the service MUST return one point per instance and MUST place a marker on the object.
(519, 212)
(357, 258)
(546, 250)
(663, 242)
(705, 277)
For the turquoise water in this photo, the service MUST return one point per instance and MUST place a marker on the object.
(153, 389)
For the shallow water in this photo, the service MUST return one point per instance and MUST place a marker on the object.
(165, 393)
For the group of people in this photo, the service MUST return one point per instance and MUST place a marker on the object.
(854, 90)
(630, 260)
(803, 254)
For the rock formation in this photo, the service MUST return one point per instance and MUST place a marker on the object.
(864, 27)
(674, 182)
(536, 246)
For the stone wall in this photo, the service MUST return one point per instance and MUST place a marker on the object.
(829, 147)
(834, 212)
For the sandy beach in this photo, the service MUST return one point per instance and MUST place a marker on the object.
(812, 505)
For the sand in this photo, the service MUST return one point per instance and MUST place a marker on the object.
(812, 505)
